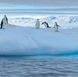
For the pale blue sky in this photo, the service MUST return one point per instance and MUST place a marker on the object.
(38, 3)
(54, 6)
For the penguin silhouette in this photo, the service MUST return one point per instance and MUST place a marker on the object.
(56, 27)
(46, 25)
(37, 24)
(4, 21)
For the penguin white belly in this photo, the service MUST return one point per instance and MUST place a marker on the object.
(4, 23)
(37, 25)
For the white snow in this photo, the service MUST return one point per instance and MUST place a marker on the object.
(16, 40)
(65, 21)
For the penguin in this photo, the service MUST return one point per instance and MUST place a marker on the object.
(37, 24)
(46, 25)
(56, 27)
(4, 21)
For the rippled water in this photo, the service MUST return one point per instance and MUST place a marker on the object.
(39, 66)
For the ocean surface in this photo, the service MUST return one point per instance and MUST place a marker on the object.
(39, 66)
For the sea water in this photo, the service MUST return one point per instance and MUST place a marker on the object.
(39, 66)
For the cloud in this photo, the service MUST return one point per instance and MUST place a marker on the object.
(39, 6)
(39, 3)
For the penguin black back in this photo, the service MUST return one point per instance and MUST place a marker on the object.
(46, 24)
(1, 24)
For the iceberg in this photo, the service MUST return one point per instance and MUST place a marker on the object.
(16, 40)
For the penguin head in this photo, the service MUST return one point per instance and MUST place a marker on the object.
(56, 23)
(38, 19)
(4, 16)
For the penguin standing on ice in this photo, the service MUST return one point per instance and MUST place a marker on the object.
(56, 27)
(4, 21)
(37, 24)
(46, 24)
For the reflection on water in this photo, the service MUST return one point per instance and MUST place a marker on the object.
(39, 66)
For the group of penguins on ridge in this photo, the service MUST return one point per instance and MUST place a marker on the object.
(37, 25)
(56, 26)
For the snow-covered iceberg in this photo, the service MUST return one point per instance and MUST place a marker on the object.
(65, 21)
(16, 40)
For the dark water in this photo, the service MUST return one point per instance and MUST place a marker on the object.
(39, 66)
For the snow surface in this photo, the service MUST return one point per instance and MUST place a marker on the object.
(65, 21)
(16, 40)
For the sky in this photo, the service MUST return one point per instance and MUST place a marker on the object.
(38, 3)
(39, 6)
